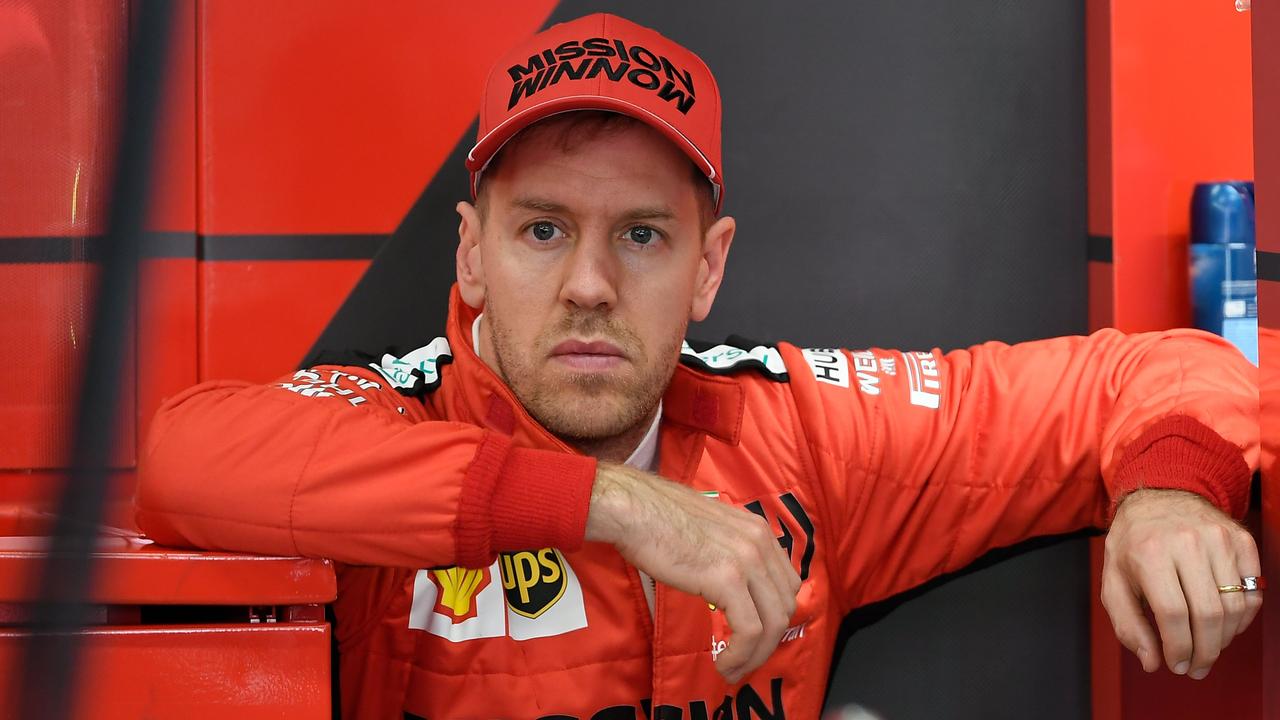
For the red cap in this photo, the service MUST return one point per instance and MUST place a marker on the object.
(603, 62)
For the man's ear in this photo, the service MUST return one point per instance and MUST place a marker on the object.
(715, 250)
(470, 266)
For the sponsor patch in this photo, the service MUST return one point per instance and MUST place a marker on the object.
(455, 604)
(608, 59)
(523, 595)
(456, 588)
(725, 359)
(888, 366)
(864, 364)
(331, 383)
(417, 372)
(796, 535)
(533, 581)
(829, 365)
(923, 379)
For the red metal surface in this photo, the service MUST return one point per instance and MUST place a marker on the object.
(324, 116)
(44, 329)
(167, 336)
(1181, 113)
(60, 84)
(306, 127)
(135, 572)
(275, 671)
(167, 287)
(173, 197)
(258, 318)
(1266, 113)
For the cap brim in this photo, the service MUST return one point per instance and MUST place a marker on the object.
(489, 145)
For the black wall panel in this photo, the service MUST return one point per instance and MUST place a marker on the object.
(904, 175)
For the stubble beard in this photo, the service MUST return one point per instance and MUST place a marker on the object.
(586, 410)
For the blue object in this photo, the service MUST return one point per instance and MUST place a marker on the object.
(1224, 279)
(1222, 212)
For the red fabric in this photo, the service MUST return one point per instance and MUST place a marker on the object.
(517, 498)
(475, 525)
(883, 468)
(1181, 453)
(542, 500)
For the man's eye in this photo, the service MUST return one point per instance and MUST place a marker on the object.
(543, 231)
(640, 234)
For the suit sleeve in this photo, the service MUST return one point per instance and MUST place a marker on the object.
(928, 460)
(331, 463)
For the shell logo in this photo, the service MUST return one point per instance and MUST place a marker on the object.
(457, 587)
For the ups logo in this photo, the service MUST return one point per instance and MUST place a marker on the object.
(533, 580)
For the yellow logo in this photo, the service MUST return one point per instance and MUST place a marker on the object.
(533, 580)
(457, 590)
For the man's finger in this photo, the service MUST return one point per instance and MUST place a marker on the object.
(1204, 607)
(1226, 571)
(1160, 587)
(744, 625)
(778, 567)
(773, 617)
(1131, 626)
(1249, 565)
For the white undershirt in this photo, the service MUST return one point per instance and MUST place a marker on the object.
(644, 457)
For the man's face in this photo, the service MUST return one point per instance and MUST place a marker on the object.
(590, 262)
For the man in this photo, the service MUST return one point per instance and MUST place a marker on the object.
(561, 510)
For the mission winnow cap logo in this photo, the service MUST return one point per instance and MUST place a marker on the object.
(603, 63)
(524, 595)
(608, 58)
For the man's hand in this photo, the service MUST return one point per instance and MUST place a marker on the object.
(725, 554)
(1171, 550)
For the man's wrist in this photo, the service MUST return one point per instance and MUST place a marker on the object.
(608, 509)
(1180, 453)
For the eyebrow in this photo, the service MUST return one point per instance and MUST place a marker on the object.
(656, 212)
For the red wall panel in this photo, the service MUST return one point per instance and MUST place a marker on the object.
(258, 318)
(1266, 113)
(330, 116)
(58, 89)
(1181, 113)
(320, 118)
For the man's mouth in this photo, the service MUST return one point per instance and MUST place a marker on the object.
(588, 356)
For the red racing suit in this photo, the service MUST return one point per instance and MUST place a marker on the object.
(466, 589)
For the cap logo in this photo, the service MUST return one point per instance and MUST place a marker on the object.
(589, 58)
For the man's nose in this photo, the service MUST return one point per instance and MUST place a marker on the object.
(590, 277)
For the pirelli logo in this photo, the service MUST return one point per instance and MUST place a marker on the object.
(923, 379)
(522, 595)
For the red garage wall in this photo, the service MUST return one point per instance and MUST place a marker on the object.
(1169, 105)
(295, 136)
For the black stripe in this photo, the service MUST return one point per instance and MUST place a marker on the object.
(169, 245)
(1099, 248)
(1269, 266)
(50, 249)
(19, 250)
(290, 247)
